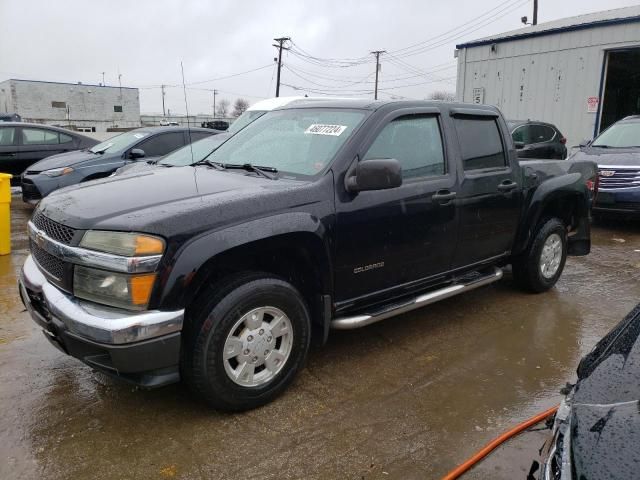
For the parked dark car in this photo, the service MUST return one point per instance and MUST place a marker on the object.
(538, 139)
(101, 160)
(617, 153)
(312, 217)
(596, 431)
(23, 144)
(10, 117)
(216, 125)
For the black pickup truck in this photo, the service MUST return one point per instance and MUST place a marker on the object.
(313, 217)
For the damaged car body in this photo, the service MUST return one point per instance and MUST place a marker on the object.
(597, 427)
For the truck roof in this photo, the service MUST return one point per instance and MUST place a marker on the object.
(368, 104)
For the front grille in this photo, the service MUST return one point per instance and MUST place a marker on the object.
(616, 177)
(52, 265)
(54, 230)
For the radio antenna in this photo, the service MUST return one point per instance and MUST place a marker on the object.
(186, 107)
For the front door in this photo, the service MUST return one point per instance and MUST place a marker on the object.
(489, 196)
(387, 238)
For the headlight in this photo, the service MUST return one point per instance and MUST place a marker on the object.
(57, 172)
(120, 290)
(122, 243)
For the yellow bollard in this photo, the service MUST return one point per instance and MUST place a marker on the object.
(5, 213)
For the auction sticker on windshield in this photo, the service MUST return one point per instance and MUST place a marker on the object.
(321, 129)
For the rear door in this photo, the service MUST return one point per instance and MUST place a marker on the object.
(489, 195)
(387, 238)
(9, 150)
(542, 141)
(38, 143)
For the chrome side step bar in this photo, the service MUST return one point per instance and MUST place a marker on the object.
(348, 323)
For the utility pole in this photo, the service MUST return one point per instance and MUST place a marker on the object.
(164, 114)
(215, 92)
(103, 84)
(377, 53)
(280, 46)
(535, 12)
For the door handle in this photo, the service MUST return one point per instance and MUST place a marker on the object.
(443, 197)
(507, 186)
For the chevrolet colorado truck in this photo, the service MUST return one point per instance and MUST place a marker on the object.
(313, 217)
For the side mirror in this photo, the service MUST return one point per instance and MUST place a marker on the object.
(378, 174)
(518, 145)
(136, 153)
(585, 143)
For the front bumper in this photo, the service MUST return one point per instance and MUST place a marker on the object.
(143, 348)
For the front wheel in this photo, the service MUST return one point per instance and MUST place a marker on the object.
(246, 342)
(538, 268)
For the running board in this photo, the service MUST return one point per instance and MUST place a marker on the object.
(357, 321)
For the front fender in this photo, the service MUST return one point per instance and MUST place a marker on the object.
(179, 283)
(568, 186)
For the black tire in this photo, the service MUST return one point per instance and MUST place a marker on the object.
(214, 314)
(527, 271)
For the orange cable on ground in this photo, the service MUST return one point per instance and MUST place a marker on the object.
(489, 447)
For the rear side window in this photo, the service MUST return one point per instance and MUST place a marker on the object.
(36, 136)
(65, 138)
(415, 142)
(162, 144)
(7, 136)
(541, 133)
(522, 134)
(480, 143)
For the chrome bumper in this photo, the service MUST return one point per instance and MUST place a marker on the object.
(89, 320)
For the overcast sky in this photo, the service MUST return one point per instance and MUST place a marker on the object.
(145, 41)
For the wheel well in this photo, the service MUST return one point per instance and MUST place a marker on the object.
(95, 176)
(566, 208)
(293, 258)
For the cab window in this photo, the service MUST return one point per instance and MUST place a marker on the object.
(480, 143)
(413, 140)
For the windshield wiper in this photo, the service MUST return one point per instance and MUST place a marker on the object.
(249, 167)
(209, 163)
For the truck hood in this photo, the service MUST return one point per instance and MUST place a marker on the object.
(151, 199)
(67, 159)
(610, 156)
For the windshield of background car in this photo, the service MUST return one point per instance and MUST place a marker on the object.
(193, 153)
(620, 135)
(245, 119)
(299, 142)
(119, 142)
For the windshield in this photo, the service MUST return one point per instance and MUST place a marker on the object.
(195, 152)
(301, 142)
(619, 135)
(245, 119)
(119, 142)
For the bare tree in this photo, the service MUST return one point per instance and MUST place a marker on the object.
(240, 106)
(222, 109)
(443, 95)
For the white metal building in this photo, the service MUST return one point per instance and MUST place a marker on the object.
(81, 106)
(580, 73)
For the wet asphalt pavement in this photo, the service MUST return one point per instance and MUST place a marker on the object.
(408, 398)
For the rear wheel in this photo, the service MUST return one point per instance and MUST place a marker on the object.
(246, 342)
(538, 268)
